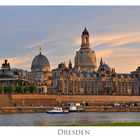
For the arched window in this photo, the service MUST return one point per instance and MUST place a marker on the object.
(86, 40)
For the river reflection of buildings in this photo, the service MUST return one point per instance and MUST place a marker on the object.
(82, 78)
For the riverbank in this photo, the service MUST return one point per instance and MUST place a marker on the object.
(23, 100)
(108, 124)
(60, 100)
(10, 110)
(112, 109)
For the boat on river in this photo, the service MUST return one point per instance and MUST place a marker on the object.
(58, 110)
(75, 107)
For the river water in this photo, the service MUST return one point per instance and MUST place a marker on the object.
(44, 119)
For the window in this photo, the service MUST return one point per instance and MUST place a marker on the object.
(86, 40)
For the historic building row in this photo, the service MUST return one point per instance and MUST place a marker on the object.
(84, 78)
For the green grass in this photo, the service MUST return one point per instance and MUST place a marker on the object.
(107, 124)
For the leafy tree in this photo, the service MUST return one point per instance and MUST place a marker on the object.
(12, 88)
(33, 89)
(18, 89)
(26, 89)
(9, 89)
(1, 89)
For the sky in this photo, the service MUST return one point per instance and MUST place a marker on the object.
(114, 34)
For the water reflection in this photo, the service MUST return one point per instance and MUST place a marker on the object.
(37, 119)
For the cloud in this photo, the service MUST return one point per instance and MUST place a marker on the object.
(24, 29)
(124, 64)
(112, 39)
(124, 59)
(114, 48)
(104, 53)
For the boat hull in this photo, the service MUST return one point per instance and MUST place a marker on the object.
(58, 112)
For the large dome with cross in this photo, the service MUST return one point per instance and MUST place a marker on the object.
(40, 62)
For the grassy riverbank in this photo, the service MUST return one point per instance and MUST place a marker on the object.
(108, 124)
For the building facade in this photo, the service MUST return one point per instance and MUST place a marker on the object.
(13, 76)
(85, 79)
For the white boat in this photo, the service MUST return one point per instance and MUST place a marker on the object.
(58, 110)
(74, 107)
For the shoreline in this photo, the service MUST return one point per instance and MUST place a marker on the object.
(14, 110)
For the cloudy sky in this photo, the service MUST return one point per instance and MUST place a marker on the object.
(114, 34)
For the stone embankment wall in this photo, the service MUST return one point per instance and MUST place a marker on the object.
(29, 103)
(7, 110)
(5, 100)
(53, 100)
(113, 109)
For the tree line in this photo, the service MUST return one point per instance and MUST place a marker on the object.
(18, 89)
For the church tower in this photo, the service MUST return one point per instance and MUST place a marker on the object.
(85, 59)
(85, 39)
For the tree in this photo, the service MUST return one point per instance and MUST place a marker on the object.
(12, 88)
(1, 89)
(18, 89)
(26, 89)
(9, 89)
(32, 89)
(6, 89)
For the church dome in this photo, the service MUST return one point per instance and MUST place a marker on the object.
(85, 59)
(39, 62)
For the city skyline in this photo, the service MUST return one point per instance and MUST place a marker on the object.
(114, 34)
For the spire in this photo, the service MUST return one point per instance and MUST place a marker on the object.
(70, 64)
(40, 49)
(85, 32)
(64, 64)
(101, 62)
(85, 29)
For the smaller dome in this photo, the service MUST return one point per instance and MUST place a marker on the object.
(39, 62)
(103, 67)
